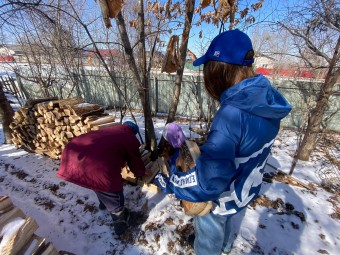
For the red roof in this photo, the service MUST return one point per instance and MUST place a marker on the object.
(6, 58)
(285, 72)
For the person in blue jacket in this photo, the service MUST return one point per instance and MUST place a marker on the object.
(230, 168)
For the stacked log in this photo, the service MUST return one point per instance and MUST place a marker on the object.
(46, 125)
(18, 232)
(152, 168)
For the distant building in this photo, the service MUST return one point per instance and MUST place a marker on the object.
(6, 54)
(157, 58)
(268, 66)
(263, 61)
(191, 57)
(287, 73)
(110, 56)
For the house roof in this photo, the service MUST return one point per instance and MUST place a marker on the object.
(105, 53)
(304, 73)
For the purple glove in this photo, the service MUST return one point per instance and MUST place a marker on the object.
(174, 135)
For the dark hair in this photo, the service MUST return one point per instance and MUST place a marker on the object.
(219, 76)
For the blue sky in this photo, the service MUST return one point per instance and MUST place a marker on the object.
(272, 10)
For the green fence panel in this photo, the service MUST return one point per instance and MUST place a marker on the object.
(98, 88)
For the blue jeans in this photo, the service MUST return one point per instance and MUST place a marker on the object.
(213, 234)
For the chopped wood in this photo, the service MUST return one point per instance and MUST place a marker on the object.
(152, 168)
(102, 120)
(33, 245)
(49, 250)
(149, 186)
(110, 124)
(23, 240)
(146, 157)
(46, 125)
(65, 102)
(19, 239)
(189, 152)
(6, 217)
(165, 168)
(32, 102)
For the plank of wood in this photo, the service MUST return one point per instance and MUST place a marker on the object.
(18, 239)
(30, 103)
(9, 215)
(194, 149)
(152, 168)
(49, 250)
(85, 108)
(146, 157)
(33, 245)
(158, 165)
(102, 120)
(5, 204)
(24, 234)
(64, 102)
(110, 124)
(149, 186)
(165, 168)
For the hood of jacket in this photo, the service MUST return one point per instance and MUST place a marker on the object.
(257, 96)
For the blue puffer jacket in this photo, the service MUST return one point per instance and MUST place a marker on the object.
(230, 168)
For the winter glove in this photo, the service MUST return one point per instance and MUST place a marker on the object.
(163, 183)
(174, 135)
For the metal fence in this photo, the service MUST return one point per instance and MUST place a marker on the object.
(98, 88)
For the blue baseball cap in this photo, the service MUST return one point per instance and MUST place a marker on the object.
(134, 127)
(230, 47)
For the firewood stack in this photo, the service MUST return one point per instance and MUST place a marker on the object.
(18, 232)
(45, 126)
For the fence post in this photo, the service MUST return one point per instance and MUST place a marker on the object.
(24, 93)
(156, 95)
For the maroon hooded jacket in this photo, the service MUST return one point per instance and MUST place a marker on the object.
(94, 160)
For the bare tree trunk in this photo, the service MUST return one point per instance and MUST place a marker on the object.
(310, 138)
(6, 115)
(189, 11)
(141, 83)
(150, 136)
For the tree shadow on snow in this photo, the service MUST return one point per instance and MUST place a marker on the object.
(281, 221)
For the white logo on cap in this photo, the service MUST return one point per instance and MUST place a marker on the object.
(216, 53)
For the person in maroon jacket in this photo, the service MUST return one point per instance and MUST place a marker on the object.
(94, 160)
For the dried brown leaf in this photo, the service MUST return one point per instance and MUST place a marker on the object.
(205, 3)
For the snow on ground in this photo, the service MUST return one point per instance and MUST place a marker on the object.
(286, 220)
